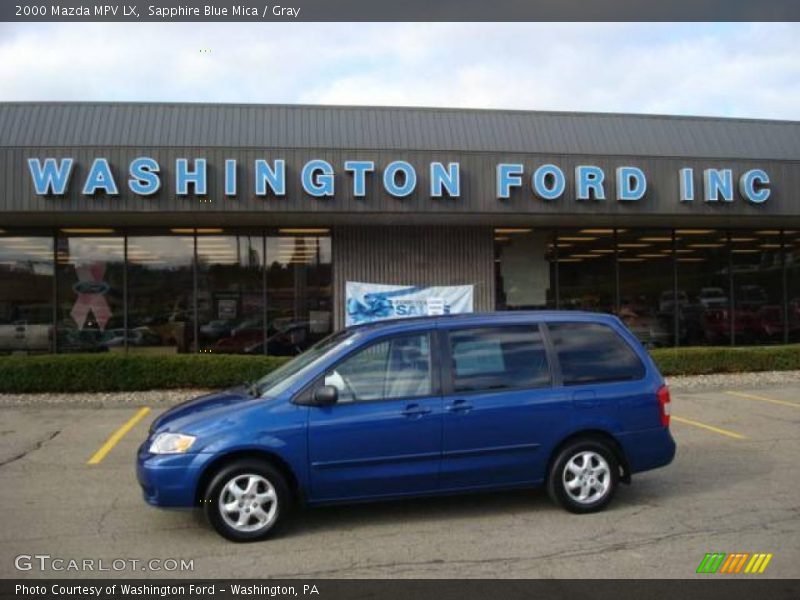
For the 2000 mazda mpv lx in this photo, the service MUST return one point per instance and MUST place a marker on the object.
(415, 407)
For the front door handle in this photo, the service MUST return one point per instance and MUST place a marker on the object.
(415, 411)
(459, 406)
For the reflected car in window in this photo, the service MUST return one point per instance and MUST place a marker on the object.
(214, 330)
(666, 302)
(712, 297)
(139, 336)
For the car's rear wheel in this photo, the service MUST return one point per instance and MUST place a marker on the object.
(246, 500)
(584, 476)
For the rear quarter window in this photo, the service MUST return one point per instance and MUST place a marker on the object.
(593, 353)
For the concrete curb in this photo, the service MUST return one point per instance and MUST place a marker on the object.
(727, 381)
(155, 399)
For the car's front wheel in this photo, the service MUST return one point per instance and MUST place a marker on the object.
(584, 476)
(246, 500)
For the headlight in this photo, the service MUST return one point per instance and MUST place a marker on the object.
(171, 443)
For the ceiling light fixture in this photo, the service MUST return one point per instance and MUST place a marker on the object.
(301, 230)
(86, 230)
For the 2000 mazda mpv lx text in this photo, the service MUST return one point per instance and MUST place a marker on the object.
(419, 406)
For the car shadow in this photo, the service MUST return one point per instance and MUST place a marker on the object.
(694, 472)
(310, 520)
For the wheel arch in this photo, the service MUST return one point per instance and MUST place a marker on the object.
(593, 434)
(228, 458)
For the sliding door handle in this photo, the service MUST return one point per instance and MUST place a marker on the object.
(459, 406)
(415, 410)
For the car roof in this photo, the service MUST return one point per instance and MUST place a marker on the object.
(488, 318)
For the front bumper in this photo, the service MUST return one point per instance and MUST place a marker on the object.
(169, 480)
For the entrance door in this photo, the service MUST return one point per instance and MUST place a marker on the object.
(383, 436)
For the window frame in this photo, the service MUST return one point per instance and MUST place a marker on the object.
(448, 372)
(557, 362)
(303, 397)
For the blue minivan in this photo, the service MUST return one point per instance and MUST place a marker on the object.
(419, 406)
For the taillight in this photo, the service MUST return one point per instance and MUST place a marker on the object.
(664, 404)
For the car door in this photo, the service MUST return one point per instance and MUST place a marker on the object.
(383, 436)
(499, 406)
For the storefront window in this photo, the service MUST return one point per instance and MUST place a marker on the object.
(160, 292)
(704, 305)
(230, 299)
(791, 241)
(299, 290)
(646, 297)
(730, 286)
(586, 269)
(756, 258)
(26, 293)
(524, 269)
(90, 270)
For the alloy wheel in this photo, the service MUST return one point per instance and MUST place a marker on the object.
(248, 503)
(587, 477)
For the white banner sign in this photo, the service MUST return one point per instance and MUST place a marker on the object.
(366, 302)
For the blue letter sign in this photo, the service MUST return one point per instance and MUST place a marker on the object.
(52, 178)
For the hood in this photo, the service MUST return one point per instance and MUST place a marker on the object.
(215, 403)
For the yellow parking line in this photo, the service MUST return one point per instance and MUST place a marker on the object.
(727, 432)
(763, 399)
(112, 441)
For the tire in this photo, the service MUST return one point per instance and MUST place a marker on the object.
(258, 495)
(565, 486)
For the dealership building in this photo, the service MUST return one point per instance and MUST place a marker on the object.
(135, 227)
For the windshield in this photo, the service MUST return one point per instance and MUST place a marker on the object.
(277, 381)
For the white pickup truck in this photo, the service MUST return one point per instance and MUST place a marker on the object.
(21, 336)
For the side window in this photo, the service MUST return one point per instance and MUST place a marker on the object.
(398, 367)
(593, 353)
(496, 358)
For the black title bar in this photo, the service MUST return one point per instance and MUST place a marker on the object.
(710, 588)
(406, 10)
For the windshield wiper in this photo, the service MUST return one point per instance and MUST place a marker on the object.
(252, 388)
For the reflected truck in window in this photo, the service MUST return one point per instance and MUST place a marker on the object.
(422, 406)
(22, 336)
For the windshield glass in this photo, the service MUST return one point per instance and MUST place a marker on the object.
(277, 381)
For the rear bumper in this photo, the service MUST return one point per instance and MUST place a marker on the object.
(169, 480)
(648, 449)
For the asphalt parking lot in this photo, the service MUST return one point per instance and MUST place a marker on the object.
(734, 487)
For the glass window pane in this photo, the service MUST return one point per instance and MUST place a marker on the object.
(646, 303)
(757, 286)
(160, 292)
(586, 269)
(299, 292)
(497, 358)
(524, 269)
(395, 368)
(792, 256)
(230, 301)
(593, 353)
(704, 316)
(90, 292)
(26, 293)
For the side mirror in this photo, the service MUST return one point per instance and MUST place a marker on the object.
(325, 396)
